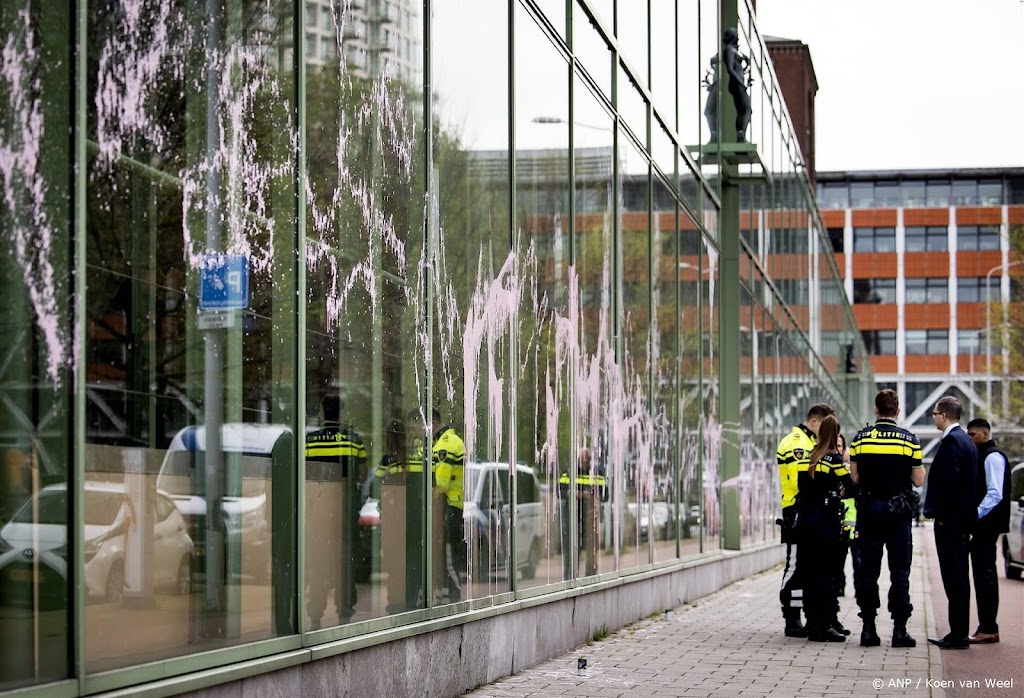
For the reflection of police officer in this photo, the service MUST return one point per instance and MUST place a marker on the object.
(885, 461)
(793, 455)
(335, 443)
(449, 460)
(591, 490)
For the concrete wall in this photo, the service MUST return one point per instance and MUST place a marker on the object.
(454, 660)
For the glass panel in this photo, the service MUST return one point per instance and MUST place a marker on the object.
(937, 193)
(591, 50)
(554, 11)
(664, 357)
(593, 260)
(913, 193)
(472, 499)
(663, 59)
(663, 150)
(542, 256)
(690, 396)
(710, 41)
(364, 463)
(640, 519)
(35, 318)
(631, 32)
(965, 192)
(712, 428)
(632, 107)
(191, 190)
(990, 192)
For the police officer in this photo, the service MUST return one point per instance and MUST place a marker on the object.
(337, 443)
(793, 456)
(449, 459)
(885, 461)
(591, 490)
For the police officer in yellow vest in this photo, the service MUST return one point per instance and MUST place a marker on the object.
(449, 461)
(591, 490)
(793, 457)
(338, 444)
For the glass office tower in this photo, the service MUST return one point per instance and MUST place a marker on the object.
(332, 324)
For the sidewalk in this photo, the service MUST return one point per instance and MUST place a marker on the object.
(730, 643)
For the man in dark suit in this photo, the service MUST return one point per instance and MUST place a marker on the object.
(951, 502)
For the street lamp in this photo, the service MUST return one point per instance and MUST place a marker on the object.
(988, 327)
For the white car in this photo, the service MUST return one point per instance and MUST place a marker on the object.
(486, 517)
(1013, 541)
(33, 545)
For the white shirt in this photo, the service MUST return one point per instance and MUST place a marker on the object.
(994, 468)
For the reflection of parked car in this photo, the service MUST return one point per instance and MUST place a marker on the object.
(486, 515)
(248, 452)
(654, 517)
(1013, 542)
(34, 543)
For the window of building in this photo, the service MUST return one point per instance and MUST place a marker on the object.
(937, 192)
(927, 342)
(927, 290)
(990, 192)
(969, 341)
(912, 193)
(327, 19)
(932, 238)
(874, 239)
(965, 192)
(973, 238)
(310, 14)
(835, 236)
(880, 342)
(874, 291)
(971, 289)
(887, 194)
(311, 45)
(834, 195)
(862, 194)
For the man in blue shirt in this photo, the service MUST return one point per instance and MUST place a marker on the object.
(993, 489)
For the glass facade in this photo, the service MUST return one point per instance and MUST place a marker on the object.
(312, 337)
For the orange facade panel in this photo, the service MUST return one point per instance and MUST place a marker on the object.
(871, 316)
(970, 315)
(1016, 215)
(833, 218)
(926, 316)
(878, 218)
(874, 265)
(977, 263)
(925, 216)
(979, 215)
(925, 264)
(938, 363)
(884, 364)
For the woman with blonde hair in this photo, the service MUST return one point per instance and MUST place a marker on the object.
(820, 527)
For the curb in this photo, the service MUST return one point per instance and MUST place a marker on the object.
(935, 668)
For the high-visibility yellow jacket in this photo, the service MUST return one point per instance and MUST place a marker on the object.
(337, 444)
(449, 462)
(793, 456)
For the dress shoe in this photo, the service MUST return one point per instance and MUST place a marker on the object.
(900, 638)
(839, 627)
(794, 628)
(869, 636)
(826, 635)
(980, 638)
(950, 643)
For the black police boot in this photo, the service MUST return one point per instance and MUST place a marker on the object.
(900, 637)
(839, 627)
(869, 636)
(794, 628)
(826, 635)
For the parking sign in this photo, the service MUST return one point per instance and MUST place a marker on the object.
(224, 282)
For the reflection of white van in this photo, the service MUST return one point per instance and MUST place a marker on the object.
(1013, 542)
(248, 460)
(487, 518)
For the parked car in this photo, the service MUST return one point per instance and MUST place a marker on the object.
(248, 451)
(34, 543)
(486, 517)
(1013, 541)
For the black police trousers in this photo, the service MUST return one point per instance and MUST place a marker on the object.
(879, 528)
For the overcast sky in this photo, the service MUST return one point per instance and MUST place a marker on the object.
(911, 83)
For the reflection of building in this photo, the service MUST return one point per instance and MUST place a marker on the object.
(374, 34)
(929, 259)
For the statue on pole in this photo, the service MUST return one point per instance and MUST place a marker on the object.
(737, 66)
